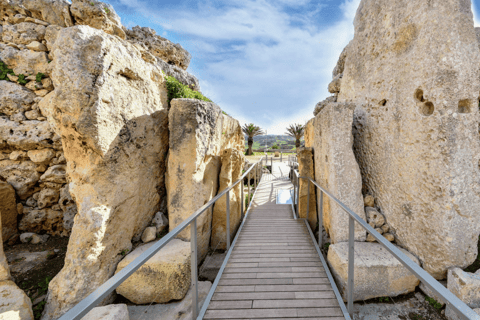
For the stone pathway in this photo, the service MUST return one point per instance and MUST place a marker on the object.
(274, 271)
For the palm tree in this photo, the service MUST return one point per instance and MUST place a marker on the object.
(251, 131)
(297, 131)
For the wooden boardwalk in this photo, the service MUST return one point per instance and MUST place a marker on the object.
(274, 271)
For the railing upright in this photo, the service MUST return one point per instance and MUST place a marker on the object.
(351, 264)
(193, 259)
(228, 220)
(308, 199)
(320, 220)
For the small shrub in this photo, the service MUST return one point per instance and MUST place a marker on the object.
(434, 303)
(21, 79)
(384, 299)
(124, 252)
(4, 70)
(39, 77)
(178, 90)
(106, 10)
(91, 3)
(326, 246)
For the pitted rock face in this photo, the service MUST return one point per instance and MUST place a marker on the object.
(171, 53)
(23, 33)
(15, 98)
(412, 70)
(51, 11)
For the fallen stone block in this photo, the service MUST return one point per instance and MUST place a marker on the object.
(110, 312)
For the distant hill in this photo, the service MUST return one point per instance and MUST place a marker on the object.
(283, 141)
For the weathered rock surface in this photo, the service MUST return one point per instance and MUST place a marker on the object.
(322, 104)
(416, 123)
(231, 170)
(23, 261)
(14, 98)
(181, 310)
(337, 170)
(4, 270)
(336, 84)
(465, 286)
(97, 15)
(8, 211)
(149, 234)
(28, 135)
(44, 220)
(377, 272)
(25, 62)
(110, 312)
(52, 11)
(56, 174)
(115, 141)
(23, 33)
(16, 305)
(198, 132)
(164, 277)
(306, 169)
(171, 53)
(160, 221)
(22, 175)
(42, 156)
(211, 266)
(181, 75)
(309, 135)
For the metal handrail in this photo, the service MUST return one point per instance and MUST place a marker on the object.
(93, 299)
(460, 308)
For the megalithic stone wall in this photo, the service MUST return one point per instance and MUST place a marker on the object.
(306, 169)
(110, 107)
(199, 131)
(412, 71)
(337, 170)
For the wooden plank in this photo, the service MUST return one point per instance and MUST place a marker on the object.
(293, 303)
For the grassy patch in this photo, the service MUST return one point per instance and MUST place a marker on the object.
(39, 77)
(4, 70)
(178, 90)
(434, 303)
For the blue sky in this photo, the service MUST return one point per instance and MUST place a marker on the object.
(262, 61)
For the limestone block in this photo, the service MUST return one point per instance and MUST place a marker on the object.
(26, 237)
(323, 103)
(51, 33)
(336, 84)
(375, 217)
(14, 98)
(369, 201)
(36, 239)
(149, 234)
(47, 198)
(110, 312)
(337, 170)
(27, 135)
(8, 211)
(309, 135)
(231, 170)
(4, 270)
(416, 123)
(22, 175)
(115, 141)
(429, 293)
(68, 206)
(198, 132)
(25, 62)
(340, 67)
(178, 73)
(52, 11)
(465, 286)
(42, 156)
(56, 174)
(306, 169)
(164, 277)
(36, 46)
(43, 220)
(180, 310)
(160, 47)
(23, 33)
(160, 221)
(16, 305)
(377, 272)
(97, 15)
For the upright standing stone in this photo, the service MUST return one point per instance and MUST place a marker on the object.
(110, 108)
(4, 270)
(310, 133)
(8, 211)
(232, 165)
(306, 169)
(337, 170)
(198, 133)
(412, 70)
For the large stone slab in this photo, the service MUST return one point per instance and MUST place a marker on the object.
(465, 286)
(377, 272)
(14, 98)
(110, 312)
(336, 169)
(8, 211)
(110, 107)
(181, 310)
(416, 123)
(231, 170)
(164, 277)
(199, 131)
(16, 305)
(310, 133)
(306, 169)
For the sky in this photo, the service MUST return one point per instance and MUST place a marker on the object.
(266, 62)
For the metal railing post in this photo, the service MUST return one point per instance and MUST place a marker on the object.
(243, 200)
(351, 264)
(248, 195)
(228, 220)
(308, 199)
(298, 195)
(255, 177)
(320, 220)
(194, 284)
(281, 156)
(294, 195)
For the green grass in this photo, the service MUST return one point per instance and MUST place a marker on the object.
(178, 90)
(434, 303)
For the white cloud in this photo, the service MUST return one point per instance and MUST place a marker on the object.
(256, 59)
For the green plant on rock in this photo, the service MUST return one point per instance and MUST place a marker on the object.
(384, 299)
(434, 303)
(38, 309)
(106, 10)
(21, 79)
(39, 77)
(178, 90)
(4, 71)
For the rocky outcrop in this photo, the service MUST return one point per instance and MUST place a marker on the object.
(110, 108)
(110, 312)
(306, 169)
(465, 286)
(16, 305)
(231, 170)
(199, 131)
(337, 170)
(416, 123)
(171, 53)
(8, 211)
(377, 272)
(164, 277)
(97, 15)
(44, 11)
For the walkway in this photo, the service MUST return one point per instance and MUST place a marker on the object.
(274, 271)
